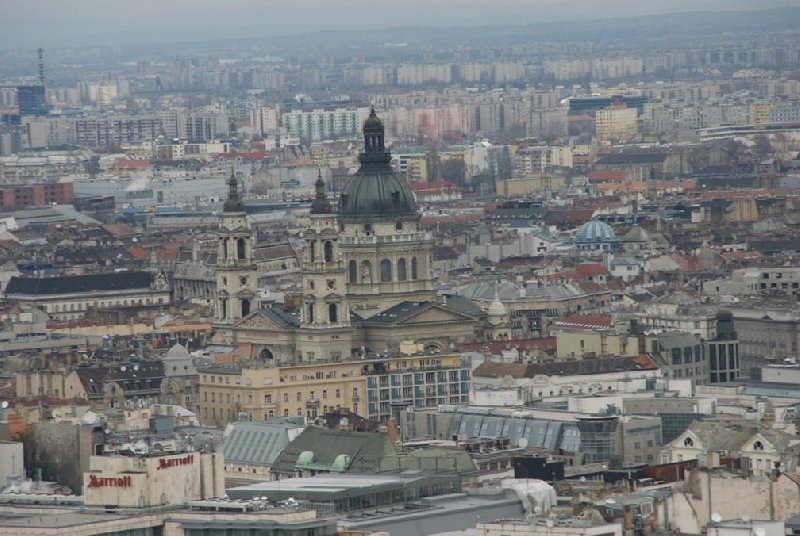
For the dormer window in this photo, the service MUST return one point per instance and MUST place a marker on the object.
(688, 442)
(758, 445)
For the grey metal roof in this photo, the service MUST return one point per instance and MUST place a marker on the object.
(536, 433)
(256, 443)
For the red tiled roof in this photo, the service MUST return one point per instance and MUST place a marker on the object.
(436, 186)
(740, 255)
(590, 269)
(685, 263)
(138, 252)
(593, 322)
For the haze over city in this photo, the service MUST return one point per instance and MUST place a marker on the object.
(92, 22)
(400, 268)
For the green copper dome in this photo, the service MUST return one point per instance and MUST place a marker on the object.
(375, 191)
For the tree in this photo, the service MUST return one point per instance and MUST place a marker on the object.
(761, 147)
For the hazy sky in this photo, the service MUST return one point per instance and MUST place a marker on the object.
(28, 23)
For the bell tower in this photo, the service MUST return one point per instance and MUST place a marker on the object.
(325, 309)
(237, 279)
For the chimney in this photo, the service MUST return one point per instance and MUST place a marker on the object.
(391, 430)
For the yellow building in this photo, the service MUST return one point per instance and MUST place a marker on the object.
(616, 124)
(529, 185)
(367, 387)
(760, 112)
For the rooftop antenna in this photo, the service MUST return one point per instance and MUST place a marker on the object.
(40, 54)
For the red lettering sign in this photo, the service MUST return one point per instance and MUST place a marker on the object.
(123, 481)
(166, 463)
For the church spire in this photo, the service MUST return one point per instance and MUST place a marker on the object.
(234, 202)
(320, 205)
(375, 153)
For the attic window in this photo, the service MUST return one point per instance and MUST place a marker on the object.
(688, 442)
(758, 445)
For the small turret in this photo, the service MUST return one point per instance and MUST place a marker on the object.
(320, 205)
(234, 202)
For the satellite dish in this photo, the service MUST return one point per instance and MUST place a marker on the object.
(523, 442)
(123, 368)
(4, 405)
(716, 518)
(745, 518)
(759, 531)
(549, 523)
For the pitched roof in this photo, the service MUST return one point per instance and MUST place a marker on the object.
(43, 286)
(589, 269)
(593, 322)
(256, 443)
(565, 368)
(364, 449)
(722, 436)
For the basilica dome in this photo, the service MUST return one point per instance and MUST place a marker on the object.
(375, 191)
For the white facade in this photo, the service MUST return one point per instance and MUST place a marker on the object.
(547, 527)
(11, 461)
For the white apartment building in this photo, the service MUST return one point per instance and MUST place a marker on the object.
(265, 119)
(321, 124)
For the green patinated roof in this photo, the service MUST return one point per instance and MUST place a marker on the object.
(321, 449)
(430, 459)
(376, 194)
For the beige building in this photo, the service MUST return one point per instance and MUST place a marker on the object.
(367, 387)
(136, 482)
(616, 124)
(70, 297)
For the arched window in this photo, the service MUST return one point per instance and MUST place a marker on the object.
(328, 251)
(265, 354)
(414, 268)
(224, 248)
(333, 313)
(386, 270)
(310, 313)
(245, 308)
(401, 270)
(241, 249)
(353, 271)
(398, 226)
(312, 251)
(223, 309)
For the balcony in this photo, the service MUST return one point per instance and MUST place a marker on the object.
(312, 404)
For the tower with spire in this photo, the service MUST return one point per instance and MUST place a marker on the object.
(237, 279)
(326, 315)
